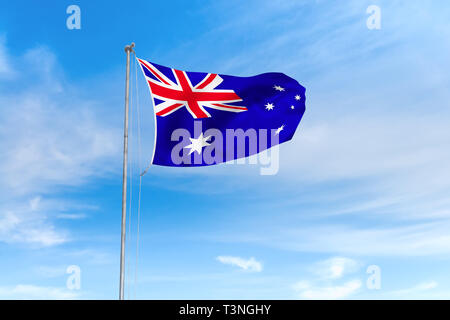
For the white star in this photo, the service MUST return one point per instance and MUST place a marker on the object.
(292, 107)
(198, 144)
(279, 130)
(279, 88)
(269, 106)
(297, 97)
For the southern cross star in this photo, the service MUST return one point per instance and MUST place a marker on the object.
(198, 144)
(278, 88)
(269, 106)
(297, 97)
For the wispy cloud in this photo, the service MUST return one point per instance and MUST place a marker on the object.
(251, 265)
(51, 139)
(71, 216)
(305, 290)
(324, 276)
(335, 268)
(25, 291)
(424, 290)
(424, 239)
(92, 256)
(51, 271)
(417, 289)
(52, 136)
(26, 224)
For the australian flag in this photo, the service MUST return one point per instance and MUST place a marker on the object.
(207, 118)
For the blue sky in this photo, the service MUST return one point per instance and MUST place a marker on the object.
(364, 182)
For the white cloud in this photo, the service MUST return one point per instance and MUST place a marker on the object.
(49, 145)
(51, 271)
(335, 268)
(326, 272)
(38, 236)
(365, 146)
(410, 240)
(426, 290)
(92, 256)
(410, 293)
(305, 290)
(28, 224)
(71, 216)
(246, 264)
(426, 285)
(52, 139)
(8, 221)
(421, 239)
(23, 291)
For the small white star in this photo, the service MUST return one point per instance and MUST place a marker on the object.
(269, 106)
(292, 107)
(198, 144)
(279, 130)
(279, 88)
(297, 97)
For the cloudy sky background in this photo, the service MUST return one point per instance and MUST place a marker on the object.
(364, 182)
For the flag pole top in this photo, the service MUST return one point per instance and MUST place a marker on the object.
(129, 48)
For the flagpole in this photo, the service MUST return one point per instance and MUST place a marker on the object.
(128, 50)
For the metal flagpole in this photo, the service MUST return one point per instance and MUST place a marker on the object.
(128, 50)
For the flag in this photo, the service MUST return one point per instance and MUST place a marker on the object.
(207, 118)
